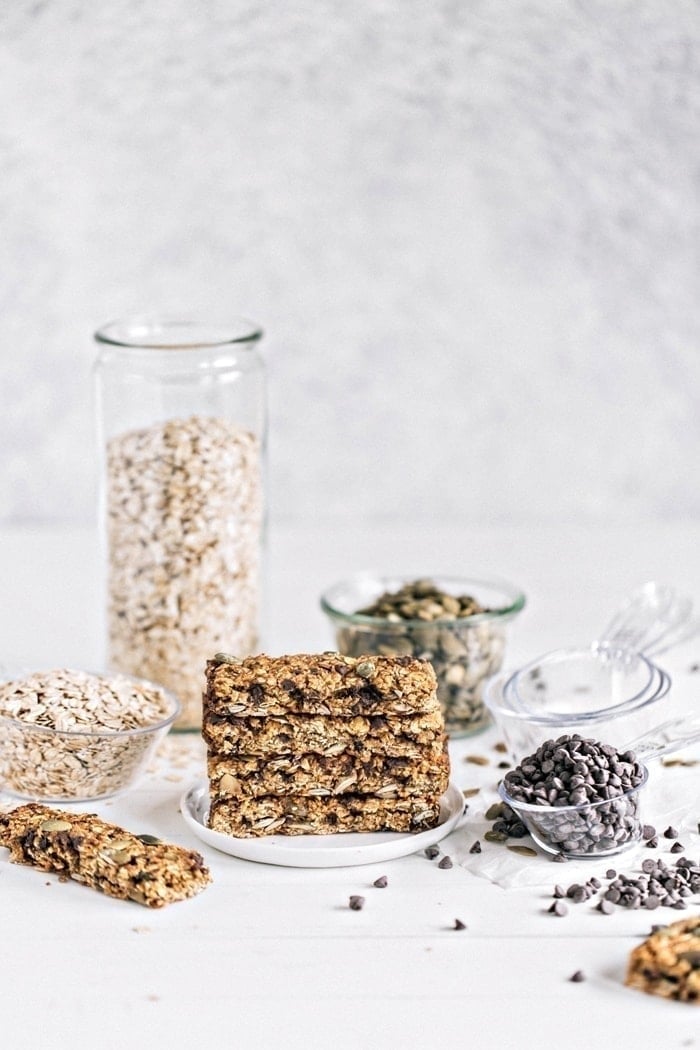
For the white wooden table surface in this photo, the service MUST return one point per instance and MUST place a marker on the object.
(273, 956)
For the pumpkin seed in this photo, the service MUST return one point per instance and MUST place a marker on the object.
(225, 658)
(55, 825)
(523, 851)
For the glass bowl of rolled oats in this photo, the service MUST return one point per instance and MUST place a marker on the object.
(456, 623)
(76, 736)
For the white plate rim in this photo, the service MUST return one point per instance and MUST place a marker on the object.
(320, 851)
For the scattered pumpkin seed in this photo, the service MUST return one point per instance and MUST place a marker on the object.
(365, 669)
(495, 836)
(148, 840)
(523, 851)
(477, 760)
(470, 792)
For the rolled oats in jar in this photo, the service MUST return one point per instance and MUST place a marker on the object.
(181, 419)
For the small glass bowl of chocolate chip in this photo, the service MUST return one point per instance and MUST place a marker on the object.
(578, 797)
(458, 624)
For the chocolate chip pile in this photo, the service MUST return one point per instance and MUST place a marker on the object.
(589, 787)
(657, 886)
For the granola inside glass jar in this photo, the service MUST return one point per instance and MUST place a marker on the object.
(459, 625)
(181, 413)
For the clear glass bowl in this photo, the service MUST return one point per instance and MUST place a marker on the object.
(464, 651)
(588, 830)
(582, 681)
(524, 729)
(78, 765)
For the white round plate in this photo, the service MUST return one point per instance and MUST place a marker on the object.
(319, 851)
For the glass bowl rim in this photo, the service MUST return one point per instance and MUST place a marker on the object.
(657, 687)
(517, 601)
(542, 810)
(558, 719)
(103, 732)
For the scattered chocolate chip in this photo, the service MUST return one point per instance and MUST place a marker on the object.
(559, 858)
(446, 862)
(431, 852)
(577, 977)
(677, 847)
(356, 903)
(459, 925)
(648, 831)
(610, 873)
(606, 907)
(559, 908)
(476, 848)
(652, 843)
(381, 882)
(671, 833)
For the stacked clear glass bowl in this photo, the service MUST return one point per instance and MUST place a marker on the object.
(609, 694)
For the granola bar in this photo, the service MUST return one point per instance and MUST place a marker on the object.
(323, 684)
(363, 773)
(299, 734)
(101, 855)
(668, 962)
(296, 815)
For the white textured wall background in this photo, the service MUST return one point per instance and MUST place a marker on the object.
(469, 229)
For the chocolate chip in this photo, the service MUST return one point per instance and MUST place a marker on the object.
(446, 862)
(577, 977)
(381, 882)
(459, 925)
(558, 908)
(671, 833)
(677, 847)
(431, 852)
(476, 848)
(356, 903)
(648, 831)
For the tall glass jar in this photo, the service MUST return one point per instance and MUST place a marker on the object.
(181, 411)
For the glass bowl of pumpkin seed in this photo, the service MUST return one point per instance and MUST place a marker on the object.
(458, 624)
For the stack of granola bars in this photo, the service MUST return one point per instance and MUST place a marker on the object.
(318, 744)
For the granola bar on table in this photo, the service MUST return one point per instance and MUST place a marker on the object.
(668, 962)
(104, 856)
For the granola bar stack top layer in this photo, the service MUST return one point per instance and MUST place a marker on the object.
(318, 744)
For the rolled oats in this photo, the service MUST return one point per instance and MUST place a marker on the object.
(70, 735)
(184, 511)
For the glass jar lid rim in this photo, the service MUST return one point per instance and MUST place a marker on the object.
(177, 333)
